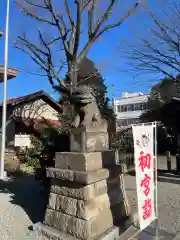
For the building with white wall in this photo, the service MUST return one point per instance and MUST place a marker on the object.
(129, 107)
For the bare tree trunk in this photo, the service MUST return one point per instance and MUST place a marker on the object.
(73, 76)
(73, 81)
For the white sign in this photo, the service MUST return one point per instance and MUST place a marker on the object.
(144, 166)
(22, 140)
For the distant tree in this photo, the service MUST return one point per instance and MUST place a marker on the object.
(160, 53)
(160, 94)
(163, 92)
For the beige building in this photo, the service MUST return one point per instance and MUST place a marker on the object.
(26, 115)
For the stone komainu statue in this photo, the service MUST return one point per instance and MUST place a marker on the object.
(85, 106)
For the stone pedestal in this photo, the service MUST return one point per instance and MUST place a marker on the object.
(90, 139)
(86, 200)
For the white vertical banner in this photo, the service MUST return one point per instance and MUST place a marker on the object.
(144, 166)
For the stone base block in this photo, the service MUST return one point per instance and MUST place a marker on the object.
(85, 209)
(45, 232)
(83, 229)
(84, 192)
(83, 177)
(84, 161)
(90, 139)
(124, 232)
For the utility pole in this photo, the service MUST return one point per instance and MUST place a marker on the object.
(3, 136)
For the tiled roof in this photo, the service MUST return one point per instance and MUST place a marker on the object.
(12, 73)
(18, 100)
(41, 94)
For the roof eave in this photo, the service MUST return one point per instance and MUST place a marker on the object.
(12, 73)
(1, 33)
(41, 94)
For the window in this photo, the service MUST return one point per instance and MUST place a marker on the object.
(136, 107)
(125, 108)
(140, 106)
(131, 107)
(135, 120)
(144, 106)
(127, 122)
(122, 122)
(130, 121)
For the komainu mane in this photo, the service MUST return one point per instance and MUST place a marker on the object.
(85, 106)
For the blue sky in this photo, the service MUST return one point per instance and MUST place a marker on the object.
(105, 53)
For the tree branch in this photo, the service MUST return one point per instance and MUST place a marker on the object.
(37, 54)
(162, 54)
(69, 31)
(96, 33)
(91, 18)
(31, 3)
(128, 14)
(69, 13)
(30, 14)
(103, 18)
(62, 32)
(78, 28)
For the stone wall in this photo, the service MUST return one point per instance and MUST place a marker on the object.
(86, 197)
(11, 162)
(126, 160)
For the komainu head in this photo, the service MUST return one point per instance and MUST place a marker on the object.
(83, 95)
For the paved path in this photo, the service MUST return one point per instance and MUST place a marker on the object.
(168, 204)
(20, 207)
(162, 163)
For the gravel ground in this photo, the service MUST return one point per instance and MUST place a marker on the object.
(168, 204)
(20, 207)
(168, 197)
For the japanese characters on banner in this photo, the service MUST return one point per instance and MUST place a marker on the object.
(144, 166)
